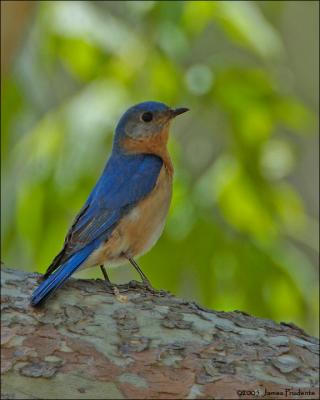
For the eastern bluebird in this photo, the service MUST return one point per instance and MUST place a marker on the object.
(125, 213)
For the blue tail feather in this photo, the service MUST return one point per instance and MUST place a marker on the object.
(54, 281)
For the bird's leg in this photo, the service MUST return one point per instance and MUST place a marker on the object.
(145, 280)
(108, 283)
(105, 275)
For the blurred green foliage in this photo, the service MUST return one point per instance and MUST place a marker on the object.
(232, 240)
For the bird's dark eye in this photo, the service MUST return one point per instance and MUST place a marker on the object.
(147, 116)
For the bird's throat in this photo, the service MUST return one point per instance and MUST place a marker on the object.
(155, 144)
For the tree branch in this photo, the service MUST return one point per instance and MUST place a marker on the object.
(89, 343)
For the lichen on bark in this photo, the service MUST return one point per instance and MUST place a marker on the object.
(88, 342)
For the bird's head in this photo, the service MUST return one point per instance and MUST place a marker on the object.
(144, 127)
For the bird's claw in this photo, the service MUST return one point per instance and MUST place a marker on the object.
(110, 286)
(145, 284)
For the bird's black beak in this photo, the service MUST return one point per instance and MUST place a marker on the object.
(178, 111)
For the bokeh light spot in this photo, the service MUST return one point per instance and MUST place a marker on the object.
(199, 79)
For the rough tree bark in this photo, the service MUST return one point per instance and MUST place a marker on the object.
(90, 343)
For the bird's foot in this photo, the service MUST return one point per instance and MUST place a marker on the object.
(134, 285)
(145, 284)
(110, 287)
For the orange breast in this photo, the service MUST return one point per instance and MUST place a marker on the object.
(155, 144)
(139, 230)
(143, 226)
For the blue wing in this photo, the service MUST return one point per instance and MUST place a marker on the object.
(125, 180)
